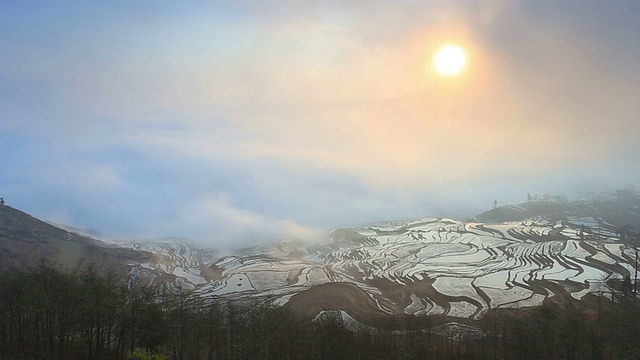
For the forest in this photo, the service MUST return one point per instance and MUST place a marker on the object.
(48, 313)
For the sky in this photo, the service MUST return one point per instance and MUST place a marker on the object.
(235, 123)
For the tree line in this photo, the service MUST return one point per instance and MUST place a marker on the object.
(48, 313)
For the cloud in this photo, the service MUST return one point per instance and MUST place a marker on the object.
(215, 221)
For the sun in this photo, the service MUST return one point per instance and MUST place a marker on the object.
(450, 60)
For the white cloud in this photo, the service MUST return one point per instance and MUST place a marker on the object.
(214, 220)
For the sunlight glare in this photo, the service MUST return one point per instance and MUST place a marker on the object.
(449, 60)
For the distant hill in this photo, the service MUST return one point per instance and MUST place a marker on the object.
(613, 210)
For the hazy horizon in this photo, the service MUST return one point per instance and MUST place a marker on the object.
(234, 123)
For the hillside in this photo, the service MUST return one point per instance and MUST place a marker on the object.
(25, 241)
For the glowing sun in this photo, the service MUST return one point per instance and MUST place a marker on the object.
(450, 60)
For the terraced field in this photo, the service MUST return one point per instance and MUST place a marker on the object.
(172, 260)
(432, 266)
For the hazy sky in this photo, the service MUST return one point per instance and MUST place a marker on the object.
(239, 122)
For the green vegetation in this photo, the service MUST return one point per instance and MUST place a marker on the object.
(47, 313)
(139, 354)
